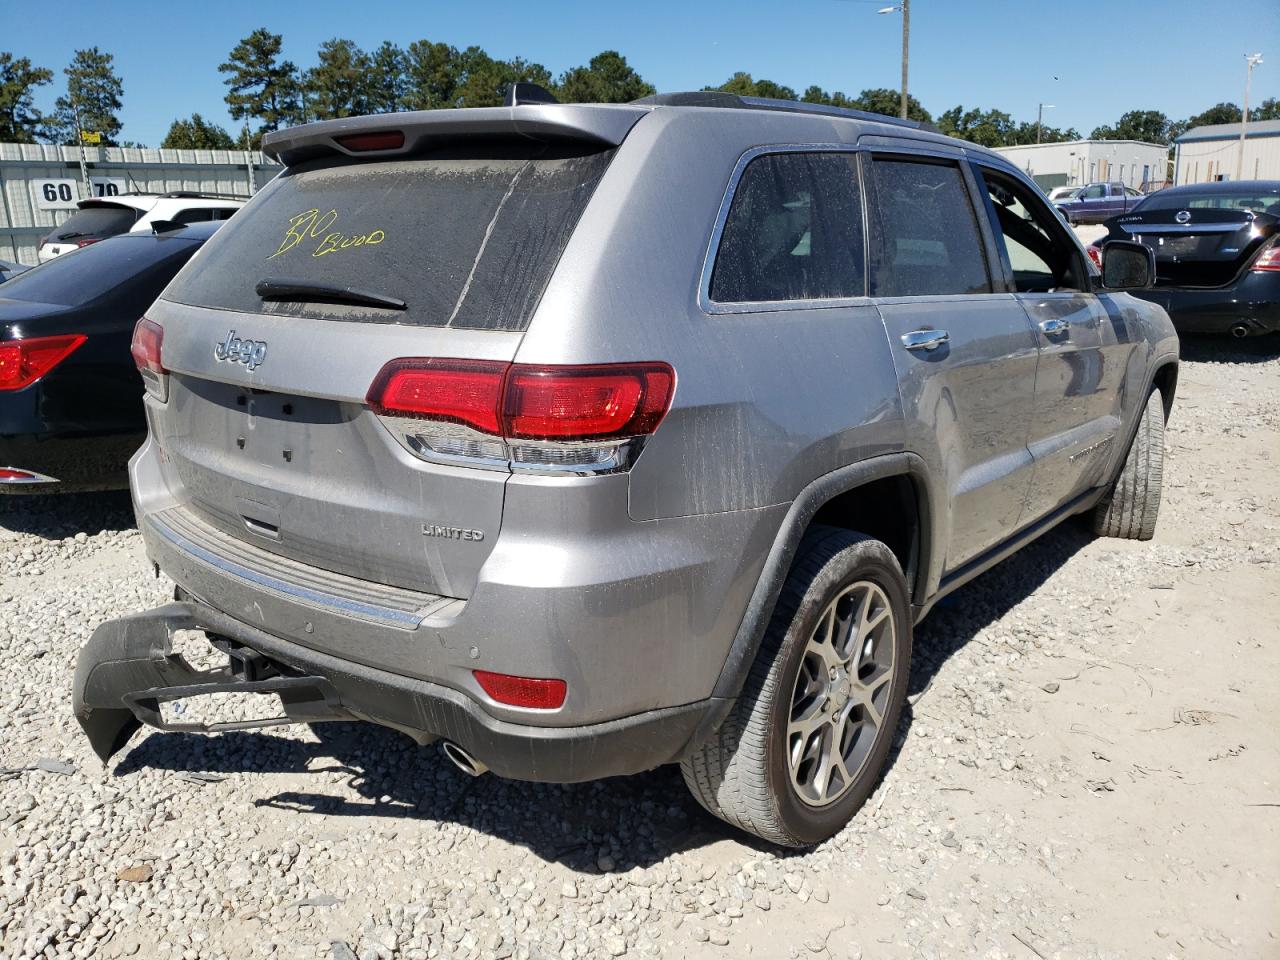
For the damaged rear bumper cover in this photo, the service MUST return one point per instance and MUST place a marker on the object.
(129, 668)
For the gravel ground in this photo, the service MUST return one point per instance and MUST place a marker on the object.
(1089, 767)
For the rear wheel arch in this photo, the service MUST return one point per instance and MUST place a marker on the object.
(836, 493)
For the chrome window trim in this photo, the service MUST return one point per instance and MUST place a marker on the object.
(713, 307)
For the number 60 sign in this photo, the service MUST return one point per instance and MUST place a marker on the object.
(63, 194)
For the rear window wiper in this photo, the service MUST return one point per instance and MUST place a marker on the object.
(309, 291)
(69, 236)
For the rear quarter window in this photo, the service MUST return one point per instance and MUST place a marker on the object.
(465, 241)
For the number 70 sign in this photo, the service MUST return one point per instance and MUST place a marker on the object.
(62, 194)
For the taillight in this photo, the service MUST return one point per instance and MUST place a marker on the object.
(585, 419)
(1268, 260)
(85, 241)
(468, 392)
(586, 403)
(23, 362)
(533, 692)
(148, 340)
(1095, 254)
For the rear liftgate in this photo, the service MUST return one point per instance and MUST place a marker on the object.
(129, 668)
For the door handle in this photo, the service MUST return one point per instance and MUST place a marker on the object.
(925, 339)
(1055, 327)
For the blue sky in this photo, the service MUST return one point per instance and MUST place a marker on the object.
(1184, 55)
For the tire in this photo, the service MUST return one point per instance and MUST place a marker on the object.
(743, 774)
(1130, 507)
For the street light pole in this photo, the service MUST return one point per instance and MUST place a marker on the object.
(903, 7)
(1252, 59)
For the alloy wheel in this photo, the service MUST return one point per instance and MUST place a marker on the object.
(841, 693)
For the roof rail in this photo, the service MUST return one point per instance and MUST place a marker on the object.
(176, 194)
(203, 195)
(732, 101)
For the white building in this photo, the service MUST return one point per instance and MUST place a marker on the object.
(1077, 162)
(40, 185)
(1211, 153)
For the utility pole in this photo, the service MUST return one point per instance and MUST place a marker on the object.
(906, 34)
(1252, 59)
(1040, 118)
(248, 157)
(84, 167)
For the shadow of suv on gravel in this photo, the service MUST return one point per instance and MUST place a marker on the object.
(588, 438)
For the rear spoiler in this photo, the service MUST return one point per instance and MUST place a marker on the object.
(604, 125)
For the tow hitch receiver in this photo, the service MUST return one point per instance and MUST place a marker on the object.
(128, 668)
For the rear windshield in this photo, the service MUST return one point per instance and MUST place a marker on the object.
(87, 274)
(464, 242)
(95, 221)
(1256, 200)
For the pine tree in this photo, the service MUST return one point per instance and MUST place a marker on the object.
(196, 134)
(338, 85)
(387, 83)
(94, 92)
(433, 71)
(261, 86)
(608, 78)
(20, 121)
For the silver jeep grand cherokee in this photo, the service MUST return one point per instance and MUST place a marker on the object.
(585, 439)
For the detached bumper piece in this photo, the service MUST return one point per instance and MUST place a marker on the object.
(129, 668)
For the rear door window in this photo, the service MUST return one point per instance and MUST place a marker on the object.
(463, 240)
(793, 232)
(929, 239)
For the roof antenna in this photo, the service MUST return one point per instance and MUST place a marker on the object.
(522, 92)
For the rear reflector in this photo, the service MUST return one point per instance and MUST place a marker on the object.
(1268, 260)
(23, 362)
(359, 142)
(532, 692)
(148, 342)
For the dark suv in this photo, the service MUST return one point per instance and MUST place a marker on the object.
(585, 439)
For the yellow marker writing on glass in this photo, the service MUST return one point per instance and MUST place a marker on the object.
(312, 224)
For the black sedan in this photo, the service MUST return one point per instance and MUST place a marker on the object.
(1217, 248)
(71, 409)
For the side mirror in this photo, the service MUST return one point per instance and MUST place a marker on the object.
(1127, 265)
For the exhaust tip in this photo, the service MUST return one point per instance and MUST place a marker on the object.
(461, 759)
(1240, 331)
